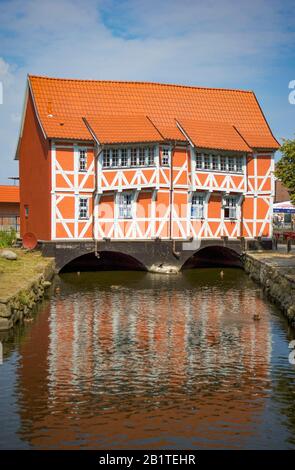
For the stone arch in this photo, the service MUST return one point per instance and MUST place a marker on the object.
(107, 260)
(214, 256)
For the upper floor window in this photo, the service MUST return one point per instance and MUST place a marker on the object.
(151, 156)
(230, 207)
(124, 157)
(133, 159)
(231, 164)
(141, 158)
(239, 164)
(106, 158)
(199, 162)
(83, 208)
(215, 162)
(224, 163)
(197, 206)
(165, 157)
(125, 205)
(82, 160)
(128, 157)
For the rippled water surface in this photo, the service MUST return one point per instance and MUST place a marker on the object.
(137, 360)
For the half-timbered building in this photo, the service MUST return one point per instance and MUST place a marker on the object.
(131, 161)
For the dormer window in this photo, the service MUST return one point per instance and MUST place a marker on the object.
(220, 163)
(82, 160)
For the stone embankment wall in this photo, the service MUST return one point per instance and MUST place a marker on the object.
(18, 306)
(276, 274)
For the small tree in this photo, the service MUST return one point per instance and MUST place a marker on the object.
(285, 168)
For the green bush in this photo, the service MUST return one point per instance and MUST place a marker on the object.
(7, 238)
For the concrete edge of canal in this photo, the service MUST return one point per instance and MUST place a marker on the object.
(276, 274)
(26, 281)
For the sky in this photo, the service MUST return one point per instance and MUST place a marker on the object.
(215, 43)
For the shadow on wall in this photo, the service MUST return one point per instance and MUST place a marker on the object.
(214, 256)
(107, 261)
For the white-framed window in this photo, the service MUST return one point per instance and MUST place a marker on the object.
(141, 158)
(207, 165)
(115, 157)
(231, 164)
(133, 152)
(150, 156)
(124, 157)
(106, 158)
(125, 205)
(165, 157)
(215, 162)
(223, 163)
(230, 207)
(239, 164)
(128, 157)
(83, 208)
(82, 160)
(198, 206)
(199, 162)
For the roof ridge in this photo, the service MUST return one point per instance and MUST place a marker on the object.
(131, 82)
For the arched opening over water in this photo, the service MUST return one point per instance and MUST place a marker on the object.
(107, 261)
(214, 256)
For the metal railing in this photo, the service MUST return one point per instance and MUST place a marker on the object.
(9, 222)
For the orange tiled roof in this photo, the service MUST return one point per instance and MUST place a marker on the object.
(217, 135)
(67, 127)
(123, 129)
(68, 100)
(9, 193)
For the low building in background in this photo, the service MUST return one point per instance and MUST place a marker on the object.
(281, 192)
(284, 210)
(9, 208)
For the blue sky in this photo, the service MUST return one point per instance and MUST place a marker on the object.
(218, 43)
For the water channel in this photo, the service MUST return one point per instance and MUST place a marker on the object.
(139, 360)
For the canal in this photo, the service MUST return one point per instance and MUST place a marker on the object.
(140, 360)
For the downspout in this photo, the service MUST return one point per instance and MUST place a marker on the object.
(174, 252)
(94, 198)
(95, 182)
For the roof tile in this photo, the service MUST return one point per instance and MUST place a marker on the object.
(69, 100)
(9, 194)
(214, 135)
(123, 129)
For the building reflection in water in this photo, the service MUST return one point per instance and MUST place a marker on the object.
(133, 360)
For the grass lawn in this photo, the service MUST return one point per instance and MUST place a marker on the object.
(19, 274)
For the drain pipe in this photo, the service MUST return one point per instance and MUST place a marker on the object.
(96, 252)
(174, 252)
